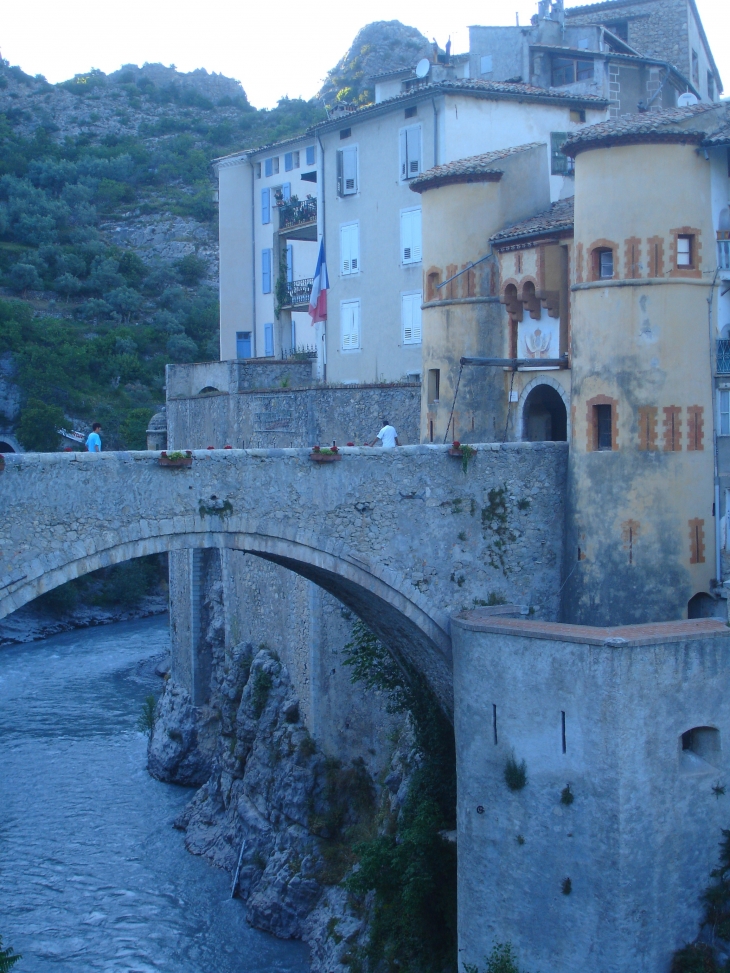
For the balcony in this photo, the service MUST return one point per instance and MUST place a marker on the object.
(723, 356)
(298, 293)
(298, 219)
(723, 249)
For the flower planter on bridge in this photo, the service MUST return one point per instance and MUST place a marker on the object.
(176, 459)
(324, 455)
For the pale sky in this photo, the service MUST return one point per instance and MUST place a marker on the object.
(277, 49)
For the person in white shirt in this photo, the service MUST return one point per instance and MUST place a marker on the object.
(387, 437)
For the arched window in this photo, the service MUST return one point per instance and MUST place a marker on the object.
(544, 416)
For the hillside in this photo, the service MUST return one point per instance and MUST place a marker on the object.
(108, 230)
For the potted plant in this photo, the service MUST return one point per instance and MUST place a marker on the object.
(325, 454)
(176, 458)
(463, 451)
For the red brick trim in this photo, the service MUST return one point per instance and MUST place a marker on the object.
(693, 271)
(655, 253)
(511, 300)
(632, 258)
(431, 293)
(696, 541)
(579, 263)
(695, 427)
(672, 428)
(592, 425)
(593, 271)
(528, 296)
(648, 427)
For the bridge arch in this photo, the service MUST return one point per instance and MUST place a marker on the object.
(411, 629)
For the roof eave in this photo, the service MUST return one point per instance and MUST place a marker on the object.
(635, 138)
(436, 182)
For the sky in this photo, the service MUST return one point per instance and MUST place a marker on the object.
(274, 51)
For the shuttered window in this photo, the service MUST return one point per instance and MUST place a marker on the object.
(266, 271)
(291, 161)
(349, 248)
(411, 318)
(286, 191)
(347, 171)
(310, 155)
(350, 323)
(410, 236)
(266, 206)
(410, 151)
(269, 340)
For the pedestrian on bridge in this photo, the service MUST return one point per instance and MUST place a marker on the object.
(387, 437)
(93, 441)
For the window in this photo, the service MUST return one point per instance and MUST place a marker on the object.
(411, 318)
(349, 248)
(724, 410)
(350, 318)
(289, 263)
(345, 133)
(291, 161)
(258, 170)
(603, 424)
(309, 176)
(311, 150)
(271, 166)
(269, 340)
(286, 192)
(560, 164)
(486, 64)
(685, 250)
(243, 344)
(568, 70)
(412, 111)
(710, 86)
(577, 115)
(434, 382)
(410, 151)
(410, 236)
(695, 68)
(603, 269)
(620, 28)
(266, 206)
(266, 271)
(347, 171)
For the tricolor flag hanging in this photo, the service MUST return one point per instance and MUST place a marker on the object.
(320, 286)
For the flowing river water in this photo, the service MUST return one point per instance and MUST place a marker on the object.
(92, 874)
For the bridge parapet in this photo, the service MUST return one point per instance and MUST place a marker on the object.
(403, 537)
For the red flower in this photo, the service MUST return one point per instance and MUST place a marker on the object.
(456, 444)
(211, 447)
(315, 449)
(228, 447)
(350, 444)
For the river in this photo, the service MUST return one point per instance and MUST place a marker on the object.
(92, 874)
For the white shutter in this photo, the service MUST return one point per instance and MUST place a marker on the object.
(403, 154)
(411, 316)
(349, 170)
(349, 248)
(410, 236)
(350, 317)
(413, 144)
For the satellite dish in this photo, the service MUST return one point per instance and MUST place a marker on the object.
(423, 67)
(687, 99)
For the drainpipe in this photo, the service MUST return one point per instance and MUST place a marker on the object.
(716, 477)
(435, 132)
(324, 238)
(253, 255)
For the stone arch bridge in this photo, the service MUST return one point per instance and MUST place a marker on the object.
(402, 537)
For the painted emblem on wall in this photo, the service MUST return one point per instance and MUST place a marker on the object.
(538, 339)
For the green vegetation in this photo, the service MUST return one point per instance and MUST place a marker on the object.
(146, 721)
(500, 960)
(515, 774)
(120, 585)
(410, 867)
(699, 957)
(8, 958)
(262, 683)
(566, 796)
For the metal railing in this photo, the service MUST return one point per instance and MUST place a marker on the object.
(723, 254)
(295, 213)
(723, 356)
(299, 291)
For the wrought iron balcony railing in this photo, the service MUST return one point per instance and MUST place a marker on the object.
(723, 254)
(295, 213)
(723, 356)
(299, 291)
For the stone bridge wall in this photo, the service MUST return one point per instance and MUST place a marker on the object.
(402, 538)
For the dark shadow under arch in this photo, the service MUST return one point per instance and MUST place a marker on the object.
(544, 416)
(5, 447)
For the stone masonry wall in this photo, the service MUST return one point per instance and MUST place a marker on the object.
(656, 29)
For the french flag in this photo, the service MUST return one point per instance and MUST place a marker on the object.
(320, 286)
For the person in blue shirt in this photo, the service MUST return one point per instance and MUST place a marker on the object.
(93, 442)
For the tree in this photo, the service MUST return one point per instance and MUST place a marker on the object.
(191, 269)
(38, 426)
(67, 284)
(8, 958)
(134, 428)
(24, 277)
(125, 301)
(180, 348)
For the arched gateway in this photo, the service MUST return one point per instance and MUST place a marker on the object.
(402, 537)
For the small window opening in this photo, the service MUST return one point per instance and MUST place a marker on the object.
(430, 430)
(258, 170)
(700, 747)
(604, 264)
(412, 111)
(345, 133)
(604, 439)
(685, 251)
(434, 383)
(562, 719)
(494, 722)
(577, 115)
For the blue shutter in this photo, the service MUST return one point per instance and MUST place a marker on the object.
(286, 191)
(266, 206)
(310, 155)
(269, 167)
(288, 161)
(289, 263)
(268, 340)
(266, 271)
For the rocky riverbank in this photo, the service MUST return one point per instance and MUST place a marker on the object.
(268, 794)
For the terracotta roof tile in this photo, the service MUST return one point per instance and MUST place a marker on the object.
(470, 169)
(671, 124)
(559, 217)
